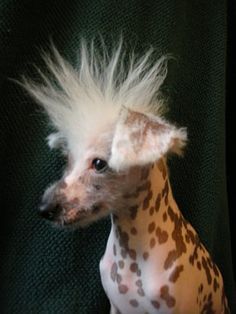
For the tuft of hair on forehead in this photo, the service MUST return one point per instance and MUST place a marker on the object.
(85, 100)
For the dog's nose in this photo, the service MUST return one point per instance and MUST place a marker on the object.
(49, 211)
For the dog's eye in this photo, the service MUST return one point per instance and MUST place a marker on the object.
(99, 165)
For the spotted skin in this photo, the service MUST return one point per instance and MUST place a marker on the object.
(156, 260)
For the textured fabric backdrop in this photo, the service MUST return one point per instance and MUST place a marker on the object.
(47, 270)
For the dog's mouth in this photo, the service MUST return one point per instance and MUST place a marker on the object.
(73, 216)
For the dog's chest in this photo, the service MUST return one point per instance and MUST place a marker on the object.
(135, 283)
(123, 282)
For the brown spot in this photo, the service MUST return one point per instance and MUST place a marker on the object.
(133, 211)
(134, 303)
(165, 295)
(215, 285)
(151, 211)
(152, 243)
(121, 264)
(134, 267)
(123, 239)
(114, 249)
(200, 288)
(162, 168)
(207, 270)
(176, 273)
(191, 236)
(177, 237)
(194, 256)
(164, 216)
(209, 261)
(151, 227)
(155, 304)
(133, 231)
(165, 192)
(118, 278)
(147, 199)
(132, 254)
(171, 258)
(114, 271)
(199, 266)
(141, 292)
(158, 202)
(145, 255)
(216, 271)
(162, 235)
(139, 283)
(208, 305)
(123, 289)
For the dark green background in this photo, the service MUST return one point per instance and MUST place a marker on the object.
(47, 270)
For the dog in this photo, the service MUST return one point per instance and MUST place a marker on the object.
(108, 115)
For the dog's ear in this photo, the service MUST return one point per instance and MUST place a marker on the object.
(141, 139)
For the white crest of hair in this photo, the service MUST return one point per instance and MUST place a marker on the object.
(83, 101)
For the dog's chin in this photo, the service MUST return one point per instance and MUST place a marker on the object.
(81, 220)
(64, 223)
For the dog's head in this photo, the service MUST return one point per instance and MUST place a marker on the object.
(110, 129)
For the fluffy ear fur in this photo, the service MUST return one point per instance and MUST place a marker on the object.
(141, 139)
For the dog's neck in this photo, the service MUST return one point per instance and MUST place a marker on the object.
(139, 228)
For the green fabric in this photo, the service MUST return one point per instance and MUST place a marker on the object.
(48, 270)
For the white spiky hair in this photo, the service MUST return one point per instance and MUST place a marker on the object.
(82, 101)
